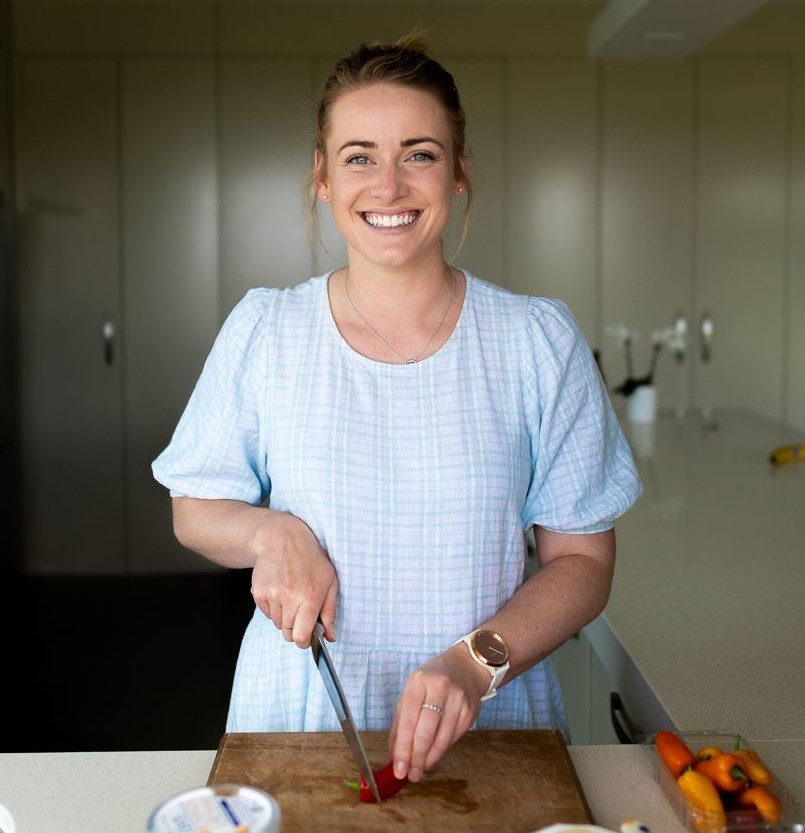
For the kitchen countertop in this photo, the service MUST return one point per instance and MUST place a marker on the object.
(114, 792)
(705, 628)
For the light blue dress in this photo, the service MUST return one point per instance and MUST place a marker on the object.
(419, 481)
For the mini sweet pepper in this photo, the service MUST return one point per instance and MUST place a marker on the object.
(725, 771)
(704, 802)
(763, 800)
(755, 768)
(674, 752)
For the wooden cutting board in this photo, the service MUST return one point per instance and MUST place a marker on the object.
(488, 782)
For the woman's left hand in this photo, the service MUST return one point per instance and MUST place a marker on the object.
(439, 703)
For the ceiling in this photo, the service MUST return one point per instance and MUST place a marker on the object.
(628, 28)
(663, 28)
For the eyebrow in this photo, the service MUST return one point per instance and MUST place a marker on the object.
(406, 143)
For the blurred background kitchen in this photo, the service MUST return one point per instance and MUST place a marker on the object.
(644, 161)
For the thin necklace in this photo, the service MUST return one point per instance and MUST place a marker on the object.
(418, 356)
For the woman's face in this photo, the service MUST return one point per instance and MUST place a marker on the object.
(389, 174)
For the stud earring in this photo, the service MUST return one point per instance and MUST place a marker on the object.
(324, 198)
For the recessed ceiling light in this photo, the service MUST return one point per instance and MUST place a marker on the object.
(665, 36)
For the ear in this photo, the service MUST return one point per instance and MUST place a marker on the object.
(462, 178)
(320, 177)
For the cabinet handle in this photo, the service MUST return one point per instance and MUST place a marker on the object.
(706, 329)
(108, 342)
(625, 728)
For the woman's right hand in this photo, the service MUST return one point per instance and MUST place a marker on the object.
(294, 582)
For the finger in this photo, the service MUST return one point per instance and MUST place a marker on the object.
(306, 617)
(328, 610)
(427, 729)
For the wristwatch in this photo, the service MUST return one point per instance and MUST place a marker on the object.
(489, 650)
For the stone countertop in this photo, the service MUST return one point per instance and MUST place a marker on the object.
(114, 792)
(704, 627)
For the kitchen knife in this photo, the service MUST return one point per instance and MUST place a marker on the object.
(321, 656)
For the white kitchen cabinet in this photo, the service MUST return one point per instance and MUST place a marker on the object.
(551, 209)
(71, 395)
(647, 215)
(740, 232)
(482, 86)
(586, 688)
(266, 154)
(118, 300)
(794, 412)
(169, 218)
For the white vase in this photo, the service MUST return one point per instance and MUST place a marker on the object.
(642, 404)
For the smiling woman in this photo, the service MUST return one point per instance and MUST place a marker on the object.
(406, 424)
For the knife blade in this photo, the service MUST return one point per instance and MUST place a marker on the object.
(324, 662)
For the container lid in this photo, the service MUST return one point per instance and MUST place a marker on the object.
(220, 808)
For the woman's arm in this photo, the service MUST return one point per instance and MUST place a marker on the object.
(293, 581)
(568, 591)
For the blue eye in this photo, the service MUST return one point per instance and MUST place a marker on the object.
(422, 156)
(358, 159)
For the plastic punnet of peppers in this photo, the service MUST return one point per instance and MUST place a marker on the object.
(716, 782)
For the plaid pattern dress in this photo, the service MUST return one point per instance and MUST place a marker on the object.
(419, 481)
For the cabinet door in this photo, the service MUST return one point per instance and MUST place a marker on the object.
(170, 262)
(646, 215)
(266, 154)
(552, 211)
(795, 382)
(70, 379)
(740, 259)
(481, 83)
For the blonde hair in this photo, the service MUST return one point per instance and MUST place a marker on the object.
(408, 63)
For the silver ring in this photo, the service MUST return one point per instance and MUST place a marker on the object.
(433, 707)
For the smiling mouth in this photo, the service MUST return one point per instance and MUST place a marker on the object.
(405, 218)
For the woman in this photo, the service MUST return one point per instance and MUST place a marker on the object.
(407, 424)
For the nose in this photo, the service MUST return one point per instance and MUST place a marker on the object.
(390, 183)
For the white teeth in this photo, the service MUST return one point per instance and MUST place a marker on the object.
(390, 220)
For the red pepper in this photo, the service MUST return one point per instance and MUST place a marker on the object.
(674, 752)
(387, 784)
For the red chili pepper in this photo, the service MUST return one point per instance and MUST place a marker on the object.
(387, 784)
(674, 752)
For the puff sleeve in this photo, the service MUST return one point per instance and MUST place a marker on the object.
(583, 474)
(217, 450)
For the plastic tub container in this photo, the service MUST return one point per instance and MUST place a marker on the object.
(220, 808)
(738, 820)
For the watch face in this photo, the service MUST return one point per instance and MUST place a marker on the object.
(490, 648)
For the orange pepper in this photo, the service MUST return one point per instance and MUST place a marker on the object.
(755, 768)
(704, 802)
(674, 752)
(763, 800)
(725, 771)
(707, 752)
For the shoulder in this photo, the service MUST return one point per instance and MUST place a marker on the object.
(265, 307)
(537, 318)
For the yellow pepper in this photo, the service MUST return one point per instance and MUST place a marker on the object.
(755, 768)
(704, 802)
